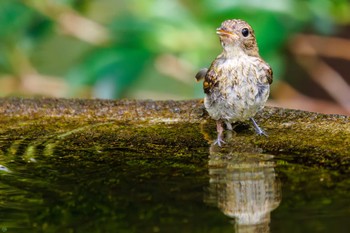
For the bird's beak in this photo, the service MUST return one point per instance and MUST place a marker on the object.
(223, 32)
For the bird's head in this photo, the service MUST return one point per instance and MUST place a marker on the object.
(236, 37)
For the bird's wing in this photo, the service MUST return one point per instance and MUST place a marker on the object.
(210, 80)
(266, 73)
(269, 74)
(209, 77)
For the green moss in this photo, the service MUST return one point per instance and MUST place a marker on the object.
(169, 127)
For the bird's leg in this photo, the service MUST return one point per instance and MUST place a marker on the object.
(220, 130)
(228, 126)
(258, 130)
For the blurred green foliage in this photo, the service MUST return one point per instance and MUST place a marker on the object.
(153, 48)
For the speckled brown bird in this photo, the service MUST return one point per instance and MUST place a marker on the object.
(237, 84)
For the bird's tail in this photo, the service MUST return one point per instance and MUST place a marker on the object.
(201, 74)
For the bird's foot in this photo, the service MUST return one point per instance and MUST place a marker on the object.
(219, 141)
(258, 130)
(261, 132)
(220, 131)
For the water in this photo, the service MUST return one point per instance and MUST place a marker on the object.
(49, 185)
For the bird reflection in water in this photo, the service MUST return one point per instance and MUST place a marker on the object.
(243, 184)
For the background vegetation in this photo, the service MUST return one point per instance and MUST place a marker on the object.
(153, 49)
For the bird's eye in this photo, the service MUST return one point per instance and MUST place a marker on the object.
(245, 32)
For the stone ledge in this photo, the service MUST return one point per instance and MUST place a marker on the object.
(310, 137)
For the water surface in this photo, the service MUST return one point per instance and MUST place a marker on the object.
(48, 185)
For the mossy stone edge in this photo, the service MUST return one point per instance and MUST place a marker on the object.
(311, 137)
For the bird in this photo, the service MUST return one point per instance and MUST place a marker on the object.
(237, 83)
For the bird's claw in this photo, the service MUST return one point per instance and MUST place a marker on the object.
(218, 142)
(261, 132)
(258, 130)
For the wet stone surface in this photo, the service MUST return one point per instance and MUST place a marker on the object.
(144, 166)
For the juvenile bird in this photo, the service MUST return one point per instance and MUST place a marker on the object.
(237, 83)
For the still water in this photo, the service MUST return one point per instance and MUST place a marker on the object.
(45, 187)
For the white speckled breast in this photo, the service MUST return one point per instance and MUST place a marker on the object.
(241, 91)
